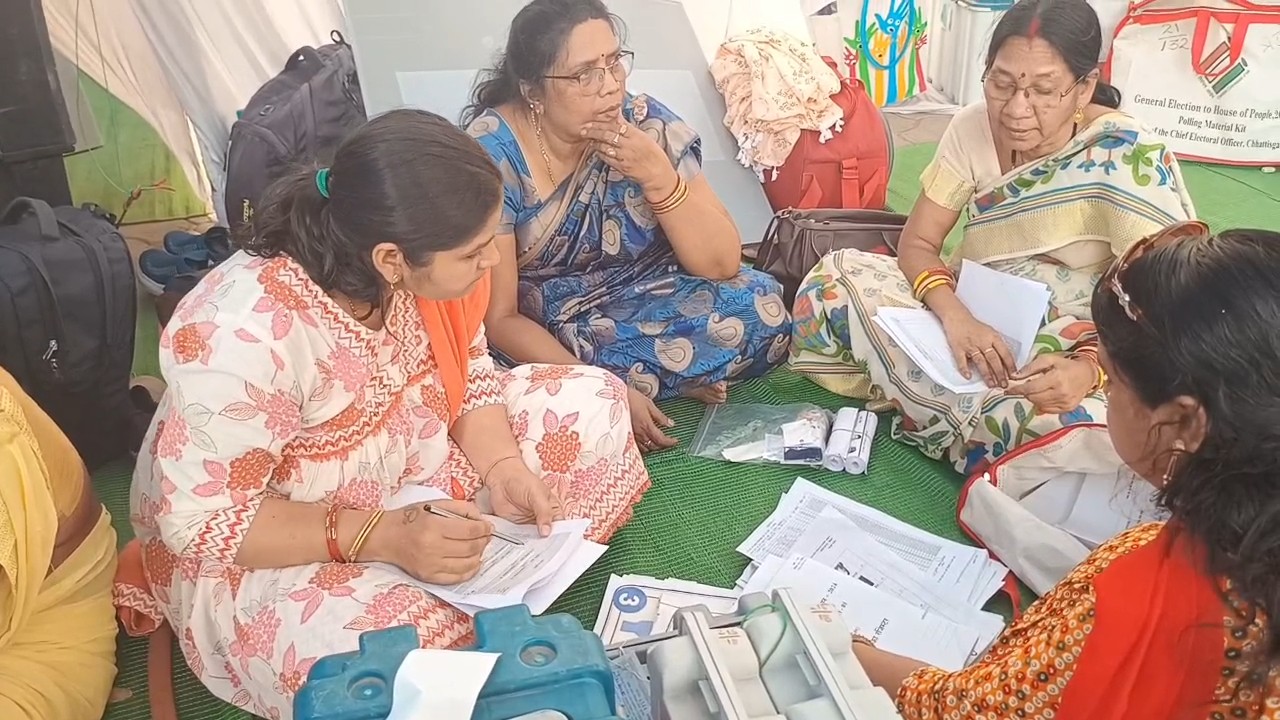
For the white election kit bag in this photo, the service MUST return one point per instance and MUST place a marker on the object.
(1204, 75)
(1042, 508)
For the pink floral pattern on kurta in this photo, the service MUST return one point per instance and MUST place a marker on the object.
(275, 392)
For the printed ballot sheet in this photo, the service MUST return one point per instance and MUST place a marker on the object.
(891, 623)
(965, 573)
(1010, 305)
(534, 573)
(636, 606)
(833, 541)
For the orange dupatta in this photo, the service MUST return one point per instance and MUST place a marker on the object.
(1156, 648)
(451, 327)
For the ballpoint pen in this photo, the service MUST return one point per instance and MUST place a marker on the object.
(441, 512)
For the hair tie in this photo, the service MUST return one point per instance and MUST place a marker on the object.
(322, 182)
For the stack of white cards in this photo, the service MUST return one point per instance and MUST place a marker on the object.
(914, 593)
(636, 606)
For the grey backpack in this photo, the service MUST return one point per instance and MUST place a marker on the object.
(299, 116)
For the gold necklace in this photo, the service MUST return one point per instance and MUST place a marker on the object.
(542, 146)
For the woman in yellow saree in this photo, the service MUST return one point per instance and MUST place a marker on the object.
(57, 560)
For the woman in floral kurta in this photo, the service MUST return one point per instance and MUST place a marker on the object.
(281, 400)
(275, 391)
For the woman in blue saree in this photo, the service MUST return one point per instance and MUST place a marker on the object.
(616, 251)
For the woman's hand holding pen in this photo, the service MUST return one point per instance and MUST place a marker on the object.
(430, 547)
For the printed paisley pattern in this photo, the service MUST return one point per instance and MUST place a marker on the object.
(597, 270)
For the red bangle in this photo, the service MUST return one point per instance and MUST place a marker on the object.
(331, 534)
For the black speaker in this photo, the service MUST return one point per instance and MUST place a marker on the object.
(35, 129)
(34, 123)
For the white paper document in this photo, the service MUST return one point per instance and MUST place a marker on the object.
(835, 542)
(967, 572)
(892, 624)
(535, 573)
(1014, 307)
(631, 687)
(439, 684)
(1095, 508)
(920, 335)
(636, 606)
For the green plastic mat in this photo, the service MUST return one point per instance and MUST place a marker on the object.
(687, 526)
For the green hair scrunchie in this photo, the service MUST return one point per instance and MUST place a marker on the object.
(322, 182)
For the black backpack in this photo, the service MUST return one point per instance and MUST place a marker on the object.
(68, 314)
(299, 116)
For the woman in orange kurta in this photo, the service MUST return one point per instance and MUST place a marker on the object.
(337, 360)
(1165, 621)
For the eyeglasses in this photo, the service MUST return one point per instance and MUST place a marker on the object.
(1167, 236)
(592, 79)
(1002, 91)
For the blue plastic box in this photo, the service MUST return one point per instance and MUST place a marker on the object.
(546, 663)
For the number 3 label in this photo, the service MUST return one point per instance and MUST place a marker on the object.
(629, 599)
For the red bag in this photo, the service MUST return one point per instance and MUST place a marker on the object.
(851, 170)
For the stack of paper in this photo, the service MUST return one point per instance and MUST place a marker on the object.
(1096, 507)
(636, 606)
(918, 594)
(1012, 306)
(535, 573)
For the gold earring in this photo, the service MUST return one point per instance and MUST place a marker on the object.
(1079, 115)
(1176, 453)
(395, 281)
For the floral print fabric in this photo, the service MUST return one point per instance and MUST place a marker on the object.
(836, 343)
(1060, 221)
(274, 391)
(775, 86)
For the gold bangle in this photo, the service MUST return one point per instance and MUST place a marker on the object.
(674, 191)
(926, 276)
(353, 555)
(933, 285)
(1100, 375)
(673, 201)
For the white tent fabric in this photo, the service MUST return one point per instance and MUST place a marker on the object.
(107, 43)
(217, 54)
(715, 21)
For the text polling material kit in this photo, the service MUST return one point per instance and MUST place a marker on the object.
(772, 659)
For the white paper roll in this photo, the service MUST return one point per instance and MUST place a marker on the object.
(859, 456)
(840, 441)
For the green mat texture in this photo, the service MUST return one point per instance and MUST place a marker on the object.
(687, 525)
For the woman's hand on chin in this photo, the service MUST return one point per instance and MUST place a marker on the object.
(431, 548)
(522, 497)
